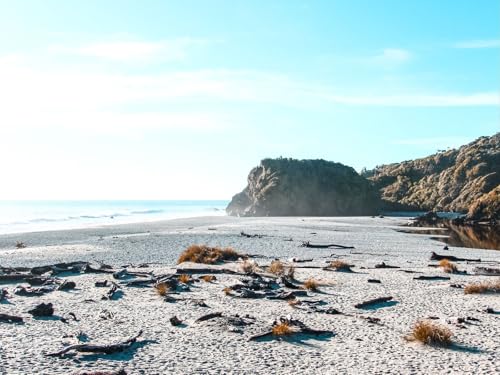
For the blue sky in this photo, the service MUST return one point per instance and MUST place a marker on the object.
(180, 99)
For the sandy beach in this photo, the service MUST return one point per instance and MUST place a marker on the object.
(364, 341)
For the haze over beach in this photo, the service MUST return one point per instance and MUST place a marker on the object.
(249, 187)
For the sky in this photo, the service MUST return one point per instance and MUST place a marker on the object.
(180, 99)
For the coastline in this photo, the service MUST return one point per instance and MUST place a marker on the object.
(357, 345)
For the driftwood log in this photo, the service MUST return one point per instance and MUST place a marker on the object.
(113, 292)
(208, 317)
(324, 246)
(243, 234)
(383, 265)
(297, 328)
(435, 256)
(487, 271)
(372, 302)
(430, 278)
(6, 318)
(3, 294)
(98, 349)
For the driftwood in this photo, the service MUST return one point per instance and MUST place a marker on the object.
(372, 302)
(98, 349)
(487, 271)
(431, 278)
(243, 234)
(112, 292)
(208, 317)
(324, 246)
(101, 284)
(37, 280)
(284, 281)
(297, 260)
(297, 328)
(32, 292)
(13, 278)
(435, 256)
(286, 295)
(190, 271)
(315, 307)
(383, 265)
(6, 318)
(3, 294)
(140, 282)
(124, 273)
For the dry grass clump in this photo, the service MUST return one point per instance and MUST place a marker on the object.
(483, 287)
(208, 255)
(282, 329)
(162, 289)
(249, 266)
(185, 278)
(311, 284)
(279, 268)
(447, 266)
(208, 278)
(339, 265)
(294, 302)
(227, 291)
(430, 333)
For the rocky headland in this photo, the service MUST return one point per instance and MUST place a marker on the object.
(464, 180)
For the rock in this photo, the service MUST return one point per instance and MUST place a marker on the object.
(43, 309)
(466, 179)
(175, 321)
(67, 285)
(289, 187)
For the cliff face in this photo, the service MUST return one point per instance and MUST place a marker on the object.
(447, 181)
(288, 187)
(464, 180)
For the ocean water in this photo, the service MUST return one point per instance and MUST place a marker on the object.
(28, 216)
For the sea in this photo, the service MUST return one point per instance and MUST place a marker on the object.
(32, 216)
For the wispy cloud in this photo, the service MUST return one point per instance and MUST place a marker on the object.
(484, 43)
(71, 96)
(133, 51)
(391, 57)
(421, 100)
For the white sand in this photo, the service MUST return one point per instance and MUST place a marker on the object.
(208, 347)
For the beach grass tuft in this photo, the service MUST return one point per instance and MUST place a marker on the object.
(483, 287)
(282, 329)
(278, 268)
(185, 278)
(249, 266)
(208, 278)
(311, 284)
(430, 333)
(162, 289)
(448, 266)
(340, 265)
(208, 255)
